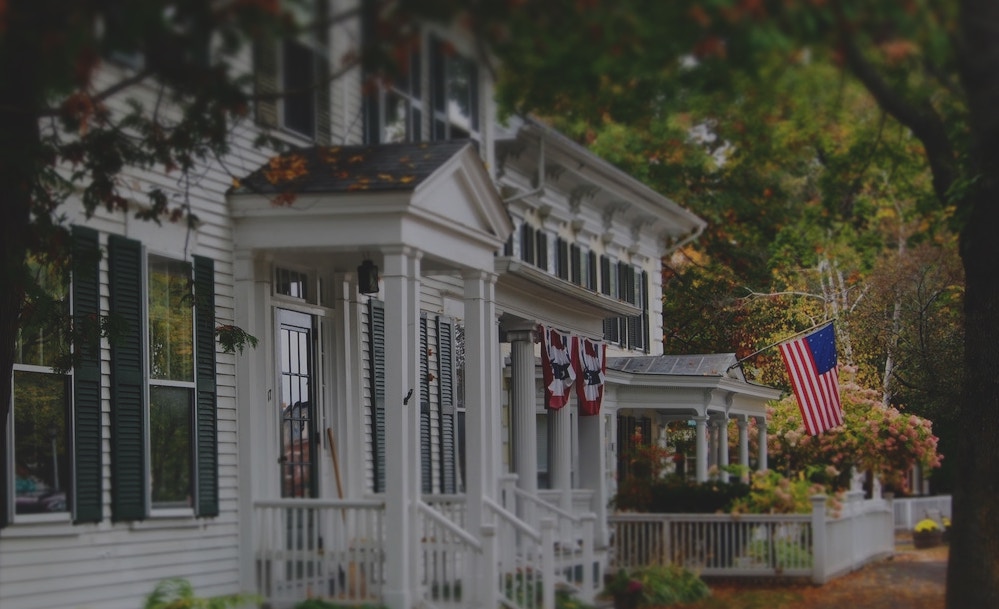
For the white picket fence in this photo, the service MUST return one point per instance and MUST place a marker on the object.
(821, 545)
(910, 510)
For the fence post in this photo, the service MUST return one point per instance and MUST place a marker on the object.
(547, 563)
(819, 539)
(858, 525)
(488, 572)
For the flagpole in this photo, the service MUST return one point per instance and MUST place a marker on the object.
(738, 362)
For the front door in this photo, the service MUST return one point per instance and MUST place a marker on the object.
(296, 367)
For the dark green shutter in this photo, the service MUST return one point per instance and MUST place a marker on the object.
(426, 449)
(576, 262)
(323, 113)
(87, 491)
(376, 351)
(206, 429)
(128, 412)
(445, 370)
(542, 261)
(265, 82)
(527, 243)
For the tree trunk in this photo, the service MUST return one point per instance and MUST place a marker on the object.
(20, 163)
(973, 571)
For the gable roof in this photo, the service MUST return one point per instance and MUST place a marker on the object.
(333, 169)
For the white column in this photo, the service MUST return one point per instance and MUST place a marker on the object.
(743, 424)
(592, 466)
(413, 412)
(761, 427)
(522, 408)
(347, 384)
(481, 394)
(401, 426)
(255, 405)
(723, 448)
(560, 454)
(702, 449)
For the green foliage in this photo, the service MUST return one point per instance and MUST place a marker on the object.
(179, 594)
(780, 552)
(667, 585)
(234, 339)
(772, 493)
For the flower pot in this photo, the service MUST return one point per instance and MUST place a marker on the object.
(927, 539)
(627, 600)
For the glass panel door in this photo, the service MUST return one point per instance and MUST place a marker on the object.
(297, 389)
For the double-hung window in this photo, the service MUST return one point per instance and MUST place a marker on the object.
(292, 76)
(455, 91)
(434, 95)
(171, 382)
(163, 397)
(41, 405)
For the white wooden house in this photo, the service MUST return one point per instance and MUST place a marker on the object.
(387, 440)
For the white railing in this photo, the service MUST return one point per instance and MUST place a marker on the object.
(715, 544)
(801, 545)
(452, 507)
(910, 510)
(450, 557)
(574, 555)
(315, 548)
(525, 578)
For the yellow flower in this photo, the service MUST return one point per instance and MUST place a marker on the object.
(926, 525)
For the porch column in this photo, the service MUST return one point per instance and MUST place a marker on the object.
(761, 426)
(712, 442)
(346, 345)
(702, 448)
(723, 448)
(251, 298)
(522, 410)
(402, 448)
(481, 395)
(592, 460)
(560, 454)
(743, 424)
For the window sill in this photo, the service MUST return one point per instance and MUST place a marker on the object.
(181, 518)
(53, 525)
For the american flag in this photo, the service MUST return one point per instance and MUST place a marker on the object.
(811, 364)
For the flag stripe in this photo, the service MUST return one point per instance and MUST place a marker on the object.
(817, 393)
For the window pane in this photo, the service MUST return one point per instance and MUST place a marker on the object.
(39, 341)
(299, 88)
(171, 321)
(170, 446)
(40, 440)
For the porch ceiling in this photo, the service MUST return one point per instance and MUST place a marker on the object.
(355, 201)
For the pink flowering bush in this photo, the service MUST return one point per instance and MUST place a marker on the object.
(885, 441)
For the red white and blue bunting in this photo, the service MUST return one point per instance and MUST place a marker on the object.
(556, 364)
(566, 359)
(590, 360)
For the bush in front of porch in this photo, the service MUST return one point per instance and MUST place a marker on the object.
(655, 586)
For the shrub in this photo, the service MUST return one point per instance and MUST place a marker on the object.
(670, 584)
(179, 594)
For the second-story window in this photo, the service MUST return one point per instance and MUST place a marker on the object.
(292, 76)
(434, 96)
(455, 91)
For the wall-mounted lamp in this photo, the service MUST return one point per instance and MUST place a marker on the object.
(367, 278)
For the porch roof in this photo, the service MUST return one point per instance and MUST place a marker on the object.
(688, 384)
(353, 201)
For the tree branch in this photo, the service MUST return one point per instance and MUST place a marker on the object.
(920, 117)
